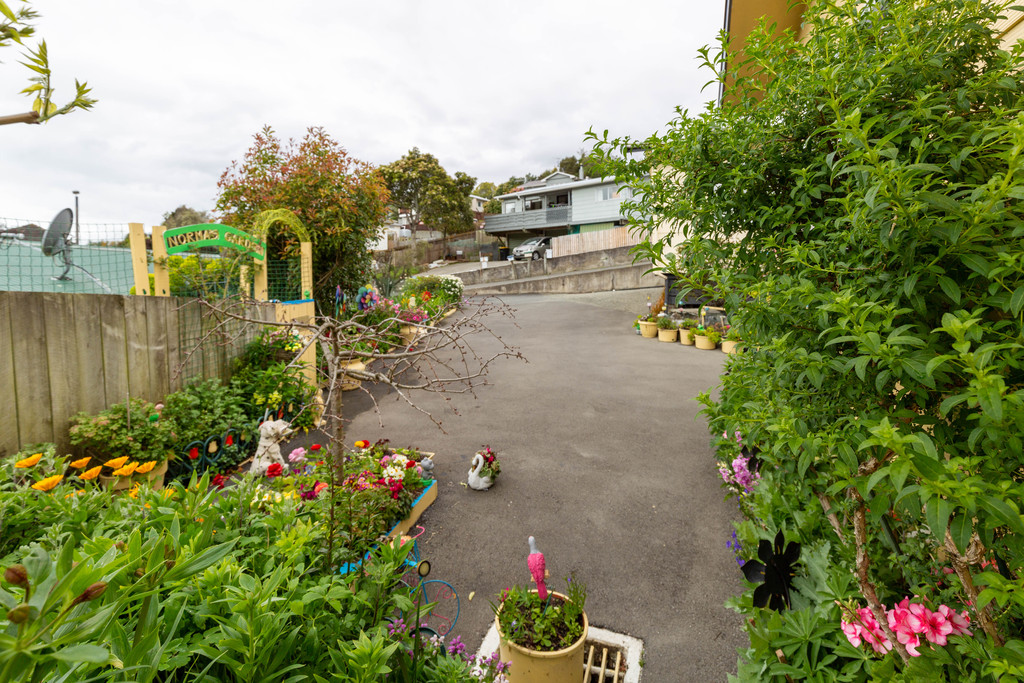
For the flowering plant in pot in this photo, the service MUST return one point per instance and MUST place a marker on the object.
(542, 632)
(648, 326)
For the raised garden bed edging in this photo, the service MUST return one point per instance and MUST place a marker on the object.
(419, 506)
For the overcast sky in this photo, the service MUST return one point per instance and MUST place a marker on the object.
(494, 89)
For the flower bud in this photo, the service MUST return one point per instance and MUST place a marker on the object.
(91, 593)
(169, 564)
(16, 575)
(140, 572)
(19, 614)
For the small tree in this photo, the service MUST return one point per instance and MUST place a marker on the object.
(185, 215)
(857, 201)
(341, 200)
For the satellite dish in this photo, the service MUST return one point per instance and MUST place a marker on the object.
(55, 241)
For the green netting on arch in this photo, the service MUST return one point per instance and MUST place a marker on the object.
(284, 280)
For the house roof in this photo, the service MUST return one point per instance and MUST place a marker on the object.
(586, 182)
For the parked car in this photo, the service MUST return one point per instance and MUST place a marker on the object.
(532, 248)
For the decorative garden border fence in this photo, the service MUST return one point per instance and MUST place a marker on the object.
(65, 353)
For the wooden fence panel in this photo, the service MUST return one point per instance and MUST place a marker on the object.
(32, 378)
(59, 319)
(9, 432)
(86, 340)
(157, 312)
(137, 346)
(567, 245)
(61, 354)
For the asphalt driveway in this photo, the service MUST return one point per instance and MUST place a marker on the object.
(605, 460)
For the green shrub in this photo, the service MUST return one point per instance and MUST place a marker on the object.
(859, 209)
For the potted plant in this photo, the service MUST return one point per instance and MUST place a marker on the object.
(686, 332)
(131, 440)
(485, 469)
(700, 338)
(713, 336)
(648, 326)
(541, 632)
(732, 340)
(666, 329)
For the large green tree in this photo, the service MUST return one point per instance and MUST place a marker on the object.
(15, 27)
(857, 200)
(341, 200)
(420, 187)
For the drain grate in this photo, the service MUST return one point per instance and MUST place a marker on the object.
(605, 664)
(609, 657)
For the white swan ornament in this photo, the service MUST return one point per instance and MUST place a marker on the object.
(475, 480)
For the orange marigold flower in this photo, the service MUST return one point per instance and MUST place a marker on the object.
(127, 470)
(145, 467)
(81, 462)
(48, 483)
(91, 473)
(30, 461)
(116, 462)
(362, 444)
(134, 493)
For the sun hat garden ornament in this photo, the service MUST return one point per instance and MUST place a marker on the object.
(268, 452)
(485, 469)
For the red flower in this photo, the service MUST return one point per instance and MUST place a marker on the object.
(315, 447)
(229, 441)
(193, 453)
(218, 481)
(363, 443)
(274, 470)
(409, 464)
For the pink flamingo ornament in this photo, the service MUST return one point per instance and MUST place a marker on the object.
(535, 562)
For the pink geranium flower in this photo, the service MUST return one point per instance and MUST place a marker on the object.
(958, 621)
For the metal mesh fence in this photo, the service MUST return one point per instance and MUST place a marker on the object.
(94, 258)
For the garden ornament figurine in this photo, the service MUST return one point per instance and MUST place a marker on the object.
(475, 480)
(538, 571)
(272, 433)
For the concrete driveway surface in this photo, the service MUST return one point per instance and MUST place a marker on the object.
(605, 460)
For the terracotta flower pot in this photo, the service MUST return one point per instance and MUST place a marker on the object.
(648, 330)
(534, 666)
(702, 342)
(667, 335)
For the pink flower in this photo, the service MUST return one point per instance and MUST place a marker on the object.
(958, 621)
(298, 455)
(906, 625)
(936, 627)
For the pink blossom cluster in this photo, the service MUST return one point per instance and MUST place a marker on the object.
(740, 474)
(908, 622)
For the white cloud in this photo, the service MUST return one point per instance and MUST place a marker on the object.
(491, 89)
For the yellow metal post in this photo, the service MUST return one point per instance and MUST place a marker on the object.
(161, 277)
(140, 266)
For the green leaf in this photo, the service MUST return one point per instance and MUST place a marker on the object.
(950, 288)
(83, 652)
(960, 528)
(1004, 512)
(200, 562)
(936, 514)
(976, 263)
(929, 468)
(991, 401)
(1017, 300)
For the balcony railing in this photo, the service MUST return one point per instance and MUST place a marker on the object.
(529, 220)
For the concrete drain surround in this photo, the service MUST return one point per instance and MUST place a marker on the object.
(601, 645)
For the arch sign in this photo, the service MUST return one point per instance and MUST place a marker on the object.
(177, 240)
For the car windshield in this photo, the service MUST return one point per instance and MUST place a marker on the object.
(530, 243)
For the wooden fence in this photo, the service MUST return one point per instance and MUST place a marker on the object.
(612, 238)
(65, 353)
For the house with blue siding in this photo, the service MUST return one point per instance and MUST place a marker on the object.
(559, 204)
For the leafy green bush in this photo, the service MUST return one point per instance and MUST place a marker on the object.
(203, 409)
(857, 199)
(134, 429)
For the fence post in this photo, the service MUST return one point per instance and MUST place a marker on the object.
(140, 266)
(161, 278)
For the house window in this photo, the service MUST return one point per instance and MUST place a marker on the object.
(534, 203)
(606, 192)
(510, 207)
(562, 200)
